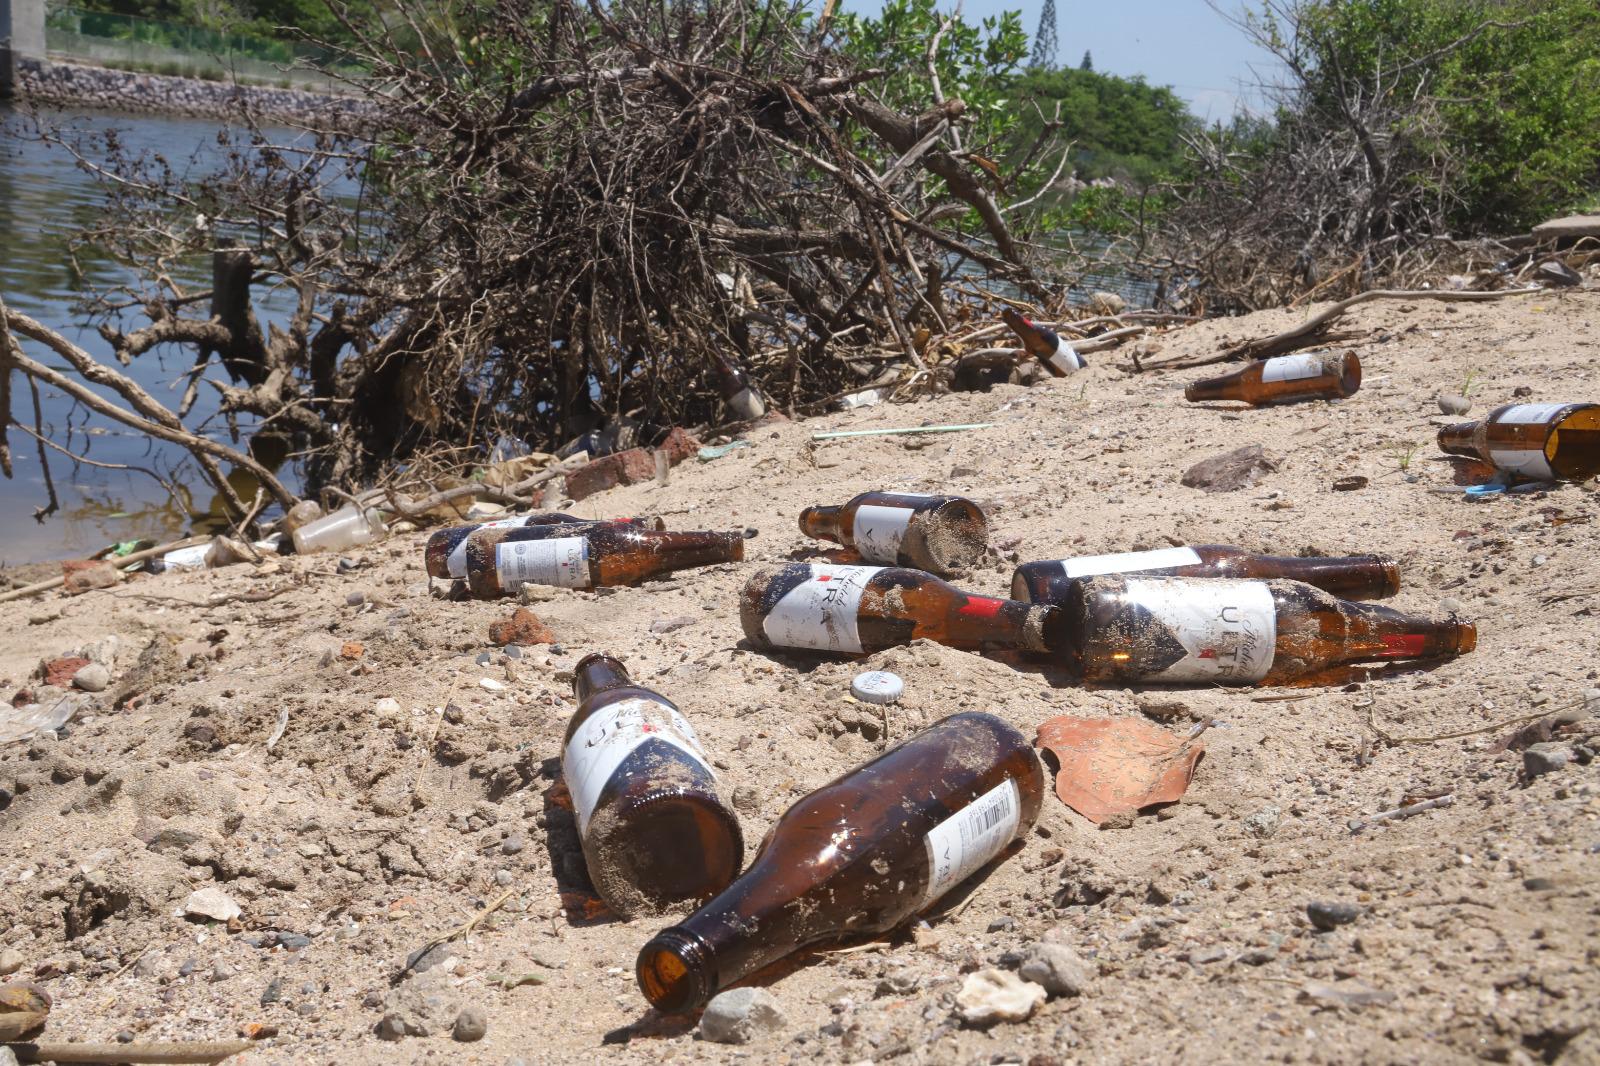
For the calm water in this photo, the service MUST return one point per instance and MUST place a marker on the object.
(44, 199)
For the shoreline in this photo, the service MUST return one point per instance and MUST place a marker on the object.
(68, 84)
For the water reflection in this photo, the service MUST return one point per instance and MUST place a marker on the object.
(44, 199)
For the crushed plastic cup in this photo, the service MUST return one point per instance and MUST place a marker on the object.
(343, 529)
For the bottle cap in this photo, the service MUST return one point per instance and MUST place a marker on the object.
(877, 686)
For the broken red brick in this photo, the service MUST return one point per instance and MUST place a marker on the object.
(523, 627)
(352, 650)
(81, 575)
(621, 468)
(678, 445)
(60, 672)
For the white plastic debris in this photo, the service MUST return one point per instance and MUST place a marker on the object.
(877, 686)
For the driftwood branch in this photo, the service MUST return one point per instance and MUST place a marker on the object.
(1315, 324)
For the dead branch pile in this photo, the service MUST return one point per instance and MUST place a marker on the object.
(560, 216)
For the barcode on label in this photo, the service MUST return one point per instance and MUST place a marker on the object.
(985, 820)
(963, 842)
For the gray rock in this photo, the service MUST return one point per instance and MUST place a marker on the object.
(422, 1006)
(7, 1057)
(1328, 916)
(736, 1016)
(1263, 823)
(513, 844)
(1230, 471)
(221, 971)
(92, 678)
(1056, 968)
(1451, 404)
(424, 959)
(1541, 759)
(10, 962)
(273, 992)
(472, 1024)
(746, 798)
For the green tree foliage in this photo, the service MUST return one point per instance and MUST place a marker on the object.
(1515, 87)
(977, 63)
(1121, 127)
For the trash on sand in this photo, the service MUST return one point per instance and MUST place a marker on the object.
(654, 826)
(717, 451)
(1115, 766)
(31, 719)
(940, 534)
(854, 610)
(842, 433)
(877, 686)
(917, 821)
(1284, 379)
(1537, 441)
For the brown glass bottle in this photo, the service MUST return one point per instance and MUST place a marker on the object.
(1218, 631)
(743, 399)
(445, 554)
(654, 826)
(940, 534)
(1355, 577)
(856, 857)
(586, 556)
(1284, 379)
(851, 610)
(1542, 441)
(1044, 344)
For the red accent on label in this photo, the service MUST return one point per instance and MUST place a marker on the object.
(981, 607)
(824, 577)
(1209, 653)
(1405, 644)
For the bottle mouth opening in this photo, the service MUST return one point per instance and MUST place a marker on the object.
(1466, 637)
(672, 974)
(594, 657)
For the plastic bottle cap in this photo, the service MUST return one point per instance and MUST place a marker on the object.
(877, 686)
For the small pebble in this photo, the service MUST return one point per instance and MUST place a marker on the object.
(513, 844)
(273, 992)
(736, 1016)
(472, 1024)
(1541, 759)
(10, 961)
(1451, 404)
(355, 599)
(221, 971)
(1328, 916)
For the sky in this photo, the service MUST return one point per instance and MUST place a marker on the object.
(1181, 43)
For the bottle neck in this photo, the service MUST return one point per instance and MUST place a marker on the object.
(821, 523)
(598, 673)
(984, 620)
(1208, 390)
(1358, 577)
(1378, 633)
(679, 551)
(1457, 439)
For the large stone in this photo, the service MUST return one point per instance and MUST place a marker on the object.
(736, 1016)
(92, 678)
(1230, 471)
(1056, 968)
(1541, 759)
(423, 1006)
(990, 996)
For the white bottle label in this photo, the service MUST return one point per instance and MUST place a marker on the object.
(1128, 562)
(188, 558)
(1292, 367)
(608, 736)
(879, 530)
(972, 836)
(1064, 358)
(747, 404)
(1229, 629)
(456, 563)
(1524, 462)
(820, 612)
(561, 561)
(1525, 414)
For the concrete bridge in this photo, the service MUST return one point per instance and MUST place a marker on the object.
(21, 38)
